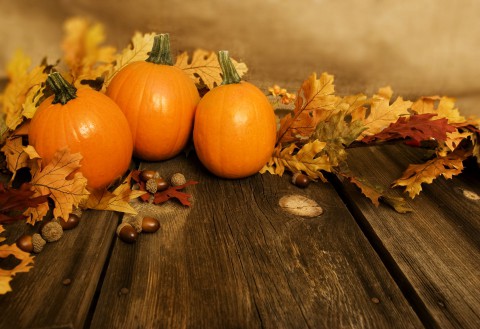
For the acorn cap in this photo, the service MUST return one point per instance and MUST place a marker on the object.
(151, 185)
(52, 231)
(38, 243)
(135, 221)
(178, 179)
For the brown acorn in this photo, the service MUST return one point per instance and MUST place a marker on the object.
(150, 225)
(300, 180)
(145, 175)
(161, 184)
(25, 243)
(127, 233)
(70, 223)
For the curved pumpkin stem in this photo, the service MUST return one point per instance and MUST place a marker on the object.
(160, 53)
(63, 91)
(230, 74)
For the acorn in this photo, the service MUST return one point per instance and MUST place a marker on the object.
(127, 233)
(177, 179)
(150, 225)
(300, 180)
(38, 243)
(146, 175)
(25, 243)
(52, 231)
(155, 185)
(70, 223)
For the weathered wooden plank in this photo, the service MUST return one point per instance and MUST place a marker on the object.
(434, 251)
(237, 260)
(40, 298)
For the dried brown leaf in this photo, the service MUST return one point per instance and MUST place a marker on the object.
(26, 263)
(204, 67)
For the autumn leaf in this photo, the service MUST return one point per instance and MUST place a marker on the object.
(118, 200)
(204, 67)
(1, 231)
(418, 127)
(15, 154)
(306, 159)
(397, 203)
(14, 201)
(60, 180)
(83, 53)
(374, 193)
(382, 113)
(137, 50)
(26, 263)
(455, 138)
(314, 102)
(23, 90)
(338, 134)
(173, 192)
(417, 174)
(445, 108)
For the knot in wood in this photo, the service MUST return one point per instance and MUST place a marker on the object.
(300, 205)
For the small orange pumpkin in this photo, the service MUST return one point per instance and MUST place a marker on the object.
(159, 102)
(85, 121)
(235, 130)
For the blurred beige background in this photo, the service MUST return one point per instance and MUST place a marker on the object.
(419, 47)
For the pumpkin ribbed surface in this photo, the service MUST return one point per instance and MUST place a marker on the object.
(159, 102)
(91, 124)
(235, 130)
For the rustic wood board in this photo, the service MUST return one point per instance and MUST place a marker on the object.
(40, 299)
(237, 260)
(433, 252)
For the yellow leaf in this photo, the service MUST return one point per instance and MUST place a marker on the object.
(445, 108)
(138, 50)
(19, 156)
(56, 181)
(23, 89)
(83, 53)
(204, 67)
(306, 159)
(417, 174)
(26, 261)
(455, 138)
(382, 113)
(315, 102)
(1, 231)
(118, 200)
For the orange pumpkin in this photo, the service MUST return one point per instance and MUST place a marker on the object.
(235, 130)
(85, 121)
(159, 102)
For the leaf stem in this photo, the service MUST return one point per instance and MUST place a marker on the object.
(230, 74)
(160, 53)
(63, 91)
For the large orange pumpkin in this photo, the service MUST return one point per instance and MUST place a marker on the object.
(234, 131)
(85, 121)
(159, 102)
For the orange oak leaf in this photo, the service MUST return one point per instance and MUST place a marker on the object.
(443, 107)
(1, 231)
(372, 192)
(382, 113)
(62, 182)
(315, 102)
(418, 127)
(26, 263)
(118, 200)
(417, 174)
(83, 53)
(204, 67)
(23, 90)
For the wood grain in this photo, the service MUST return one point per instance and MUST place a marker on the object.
(40, 299)
(236, 260)
(434, 251)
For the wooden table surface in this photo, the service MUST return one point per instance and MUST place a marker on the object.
(236, 259)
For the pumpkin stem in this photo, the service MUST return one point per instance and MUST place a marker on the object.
(230, 74)
(160, 53)
(63, 91)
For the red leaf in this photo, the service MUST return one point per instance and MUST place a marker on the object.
(417, 127)
(12, 200)
(173, 193)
